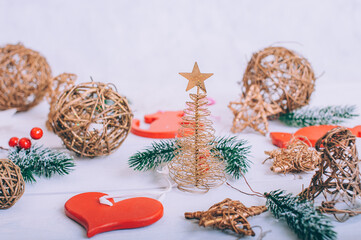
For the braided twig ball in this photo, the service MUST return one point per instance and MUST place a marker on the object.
(338, 176)
(25, 77)
(284, 78)
(92, 119)
(12, 185)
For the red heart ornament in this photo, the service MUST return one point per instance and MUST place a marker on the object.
(96, 218)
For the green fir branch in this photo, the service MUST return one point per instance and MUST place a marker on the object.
(300, 216)
(318, 116)
(40, 161)
(234, 152)
(152, 157)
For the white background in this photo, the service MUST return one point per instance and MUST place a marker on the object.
(140, 46)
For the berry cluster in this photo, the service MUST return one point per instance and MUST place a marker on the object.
(35, 133)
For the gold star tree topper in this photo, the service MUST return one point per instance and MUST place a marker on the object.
(196, 78)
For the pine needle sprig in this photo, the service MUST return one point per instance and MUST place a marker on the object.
(233, 151)
(153, 156)
(40, 161)
(300, 216)
(307, 116)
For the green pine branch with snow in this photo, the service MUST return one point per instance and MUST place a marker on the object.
(40, 161)
(300, 216)
(311, 116)
(234, 152)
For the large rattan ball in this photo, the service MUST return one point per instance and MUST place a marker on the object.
(283, 77)
(25, 77)
(12, 184)
(92, 119)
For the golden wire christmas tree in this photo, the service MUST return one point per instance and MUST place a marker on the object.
(196, 166)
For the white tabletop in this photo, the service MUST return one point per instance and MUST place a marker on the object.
(141, 46)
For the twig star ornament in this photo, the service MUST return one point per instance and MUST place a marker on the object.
(252, 111)
(196, 166)
(228, 214)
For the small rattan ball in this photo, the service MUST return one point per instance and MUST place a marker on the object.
(283, 77)
(92, 119)
(12, 185)
(25, 77)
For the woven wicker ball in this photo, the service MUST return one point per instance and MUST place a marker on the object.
(283, 77)
(92, 119)
(12, 184)
(338, 176)
(25, 77)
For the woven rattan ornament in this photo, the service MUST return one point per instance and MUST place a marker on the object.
(12, 185)
(283, 77)
(228, 214)
(196, 166)
(338, 176)
(25, 78)
(92, 119)
(61, 83)
(252, 111)
(297, 157)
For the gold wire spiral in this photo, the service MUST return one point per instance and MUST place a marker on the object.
(196, 167)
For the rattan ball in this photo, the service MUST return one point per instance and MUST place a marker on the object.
(25, 77)
(283, 77)
(92, 119)
(12, 185)
(338, 176)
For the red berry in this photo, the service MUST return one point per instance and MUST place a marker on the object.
(36, 133)
(13, 141)
(25, 143)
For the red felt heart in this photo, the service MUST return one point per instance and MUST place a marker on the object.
(136, 212)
